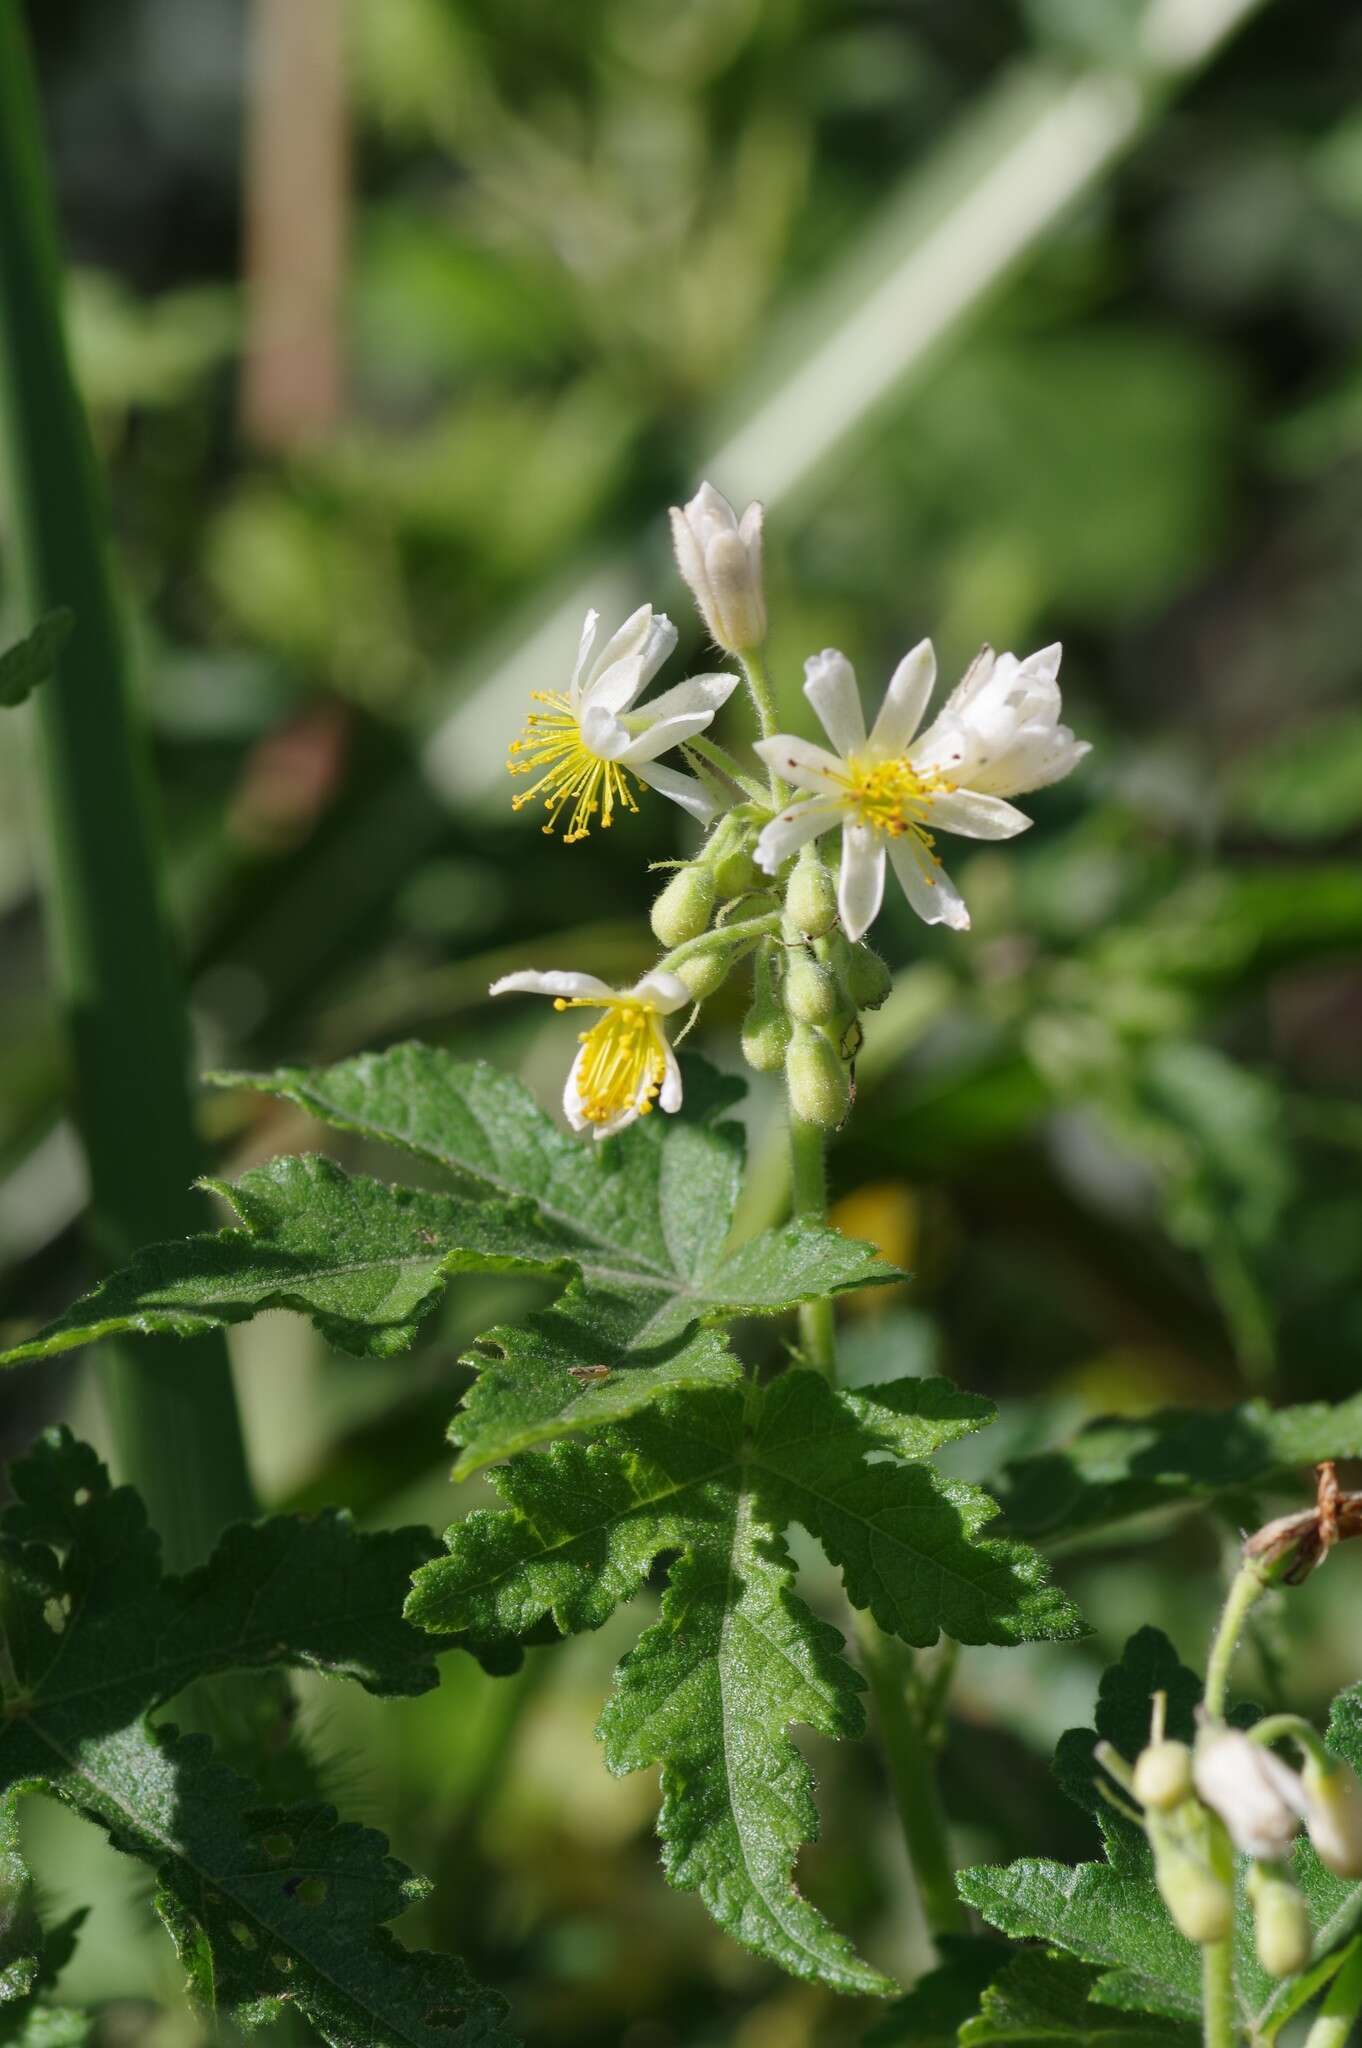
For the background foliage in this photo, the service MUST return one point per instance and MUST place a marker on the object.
(1114, 1135)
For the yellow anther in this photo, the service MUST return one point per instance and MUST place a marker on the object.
(570, 775)
(624, 1058)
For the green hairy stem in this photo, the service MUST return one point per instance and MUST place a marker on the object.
(175, 1415)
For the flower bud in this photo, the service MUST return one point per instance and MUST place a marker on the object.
(766, 1028)
(683, 909)
(811, 993)
(720, 557)
(868, 979)
(1333, 1814)
(1201, 1904)
(817, 1080)
(704, 972)
(811, 898)
(1259, 1798)
(1163, 1775)
(1281, 1924)
(736, 872)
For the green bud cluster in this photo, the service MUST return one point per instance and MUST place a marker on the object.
(684, 908)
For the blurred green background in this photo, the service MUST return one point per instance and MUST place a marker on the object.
(400, 324)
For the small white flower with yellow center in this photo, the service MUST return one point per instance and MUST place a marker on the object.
(997, 735)
(624, 1063)
(589, 740)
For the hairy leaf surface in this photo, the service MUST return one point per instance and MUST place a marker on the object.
(635, 1230)
(712, 1688)
(264, 1904)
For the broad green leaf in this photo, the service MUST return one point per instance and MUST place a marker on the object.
(31, 661)
(1043, 2000)
(365, 1261)
(643, 1221)
(1110, 1914)
(1119, 1466)
(264, 1904)
(717, 1476)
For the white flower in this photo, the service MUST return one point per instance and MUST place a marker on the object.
(1260, 1799)
(720, 557)
(586, 744)
(997, 735)
(624, 1063)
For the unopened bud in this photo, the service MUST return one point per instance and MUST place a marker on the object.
(720, 557)
(811, 898)
(704, 972)
(1281, 1924)
(811, 993)
(736, 872)
(1201, 1904)
(683, 909)
(817, 1080)
(1259, 1798)
(868, 979)
(766, 1028)
(1333, 1814)
(1163, 1775)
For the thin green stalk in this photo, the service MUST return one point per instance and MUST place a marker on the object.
(809, 1192)
(731, 769)
(909, 1756)
(1217, 1995)
(1338, 2015)
(725, 936)
(764, 704)
(1250, 1583)
(178, 1432)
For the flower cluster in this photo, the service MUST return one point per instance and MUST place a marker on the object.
(764, 885)
(1229, 1792)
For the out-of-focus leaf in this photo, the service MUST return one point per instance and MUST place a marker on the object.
(939, 2004)
(1119, 1466)
(1306, 787)
(32, 660)
(1042, 2000)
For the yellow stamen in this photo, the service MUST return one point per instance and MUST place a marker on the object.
(625, 1061)
(569, 772)
(895, 798)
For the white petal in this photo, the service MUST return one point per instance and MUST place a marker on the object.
(584, 647)
(614, 687)
(682, 789)
(904, 701)
(800, 762)
(976, 677)
(602, 732)
(628, 639)
(662, 638)
(696, 693)
(709, 512)
(658, 739)
(830, 686)
(670, 1097)
(556, 983)
(787, 832)
(1045, 661)
(860, 886)
(929, 889)
(976, 817)
(664, 990)
(572, 1094)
